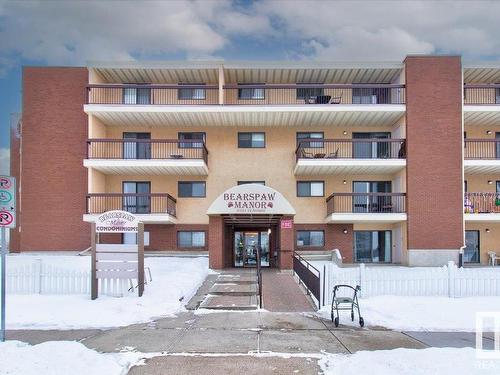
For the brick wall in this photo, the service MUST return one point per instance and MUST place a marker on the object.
(434, 152)
(53, 181)
(15, 236)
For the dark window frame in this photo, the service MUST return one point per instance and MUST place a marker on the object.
(309, 182)
(309, 231)
(191, 182)
(251, 146)
(191, 232)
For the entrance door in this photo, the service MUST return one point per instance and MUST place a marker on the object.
(246, 245)
(471, 253)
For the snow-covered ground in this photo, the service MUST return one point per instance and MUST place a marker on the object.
(438, 361)
(175, 280)
(421, 313)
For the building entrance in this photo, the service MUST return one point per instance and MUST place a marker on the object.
(246, 245)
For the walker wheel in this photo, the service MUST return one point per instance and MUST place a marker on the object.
(336, 322)
(361, 322)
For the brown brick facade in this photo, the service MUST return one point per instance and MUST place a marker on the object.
(434, 152)
(15, 143)
(53, 180)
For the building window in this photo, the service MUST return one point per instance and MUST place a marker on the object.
(310, 238)
(307, 135)
(131, 238)
(251, 182)
(136, 145)
(190, 239)
(372, 246)
(310, 188)
(251, 92)
(197, 93)
(192, 189)
(136, 197)
(251, 140)
(136, 95)
(191, 136)
(309, 92)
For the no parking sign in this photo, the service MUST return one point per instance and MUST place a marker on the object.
(7, 202)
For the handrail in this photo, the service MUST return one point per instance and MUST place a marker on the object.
(259, 276)
(301, 258)
(150, 86)
(366, 194)
(132, 195)
(314, 85)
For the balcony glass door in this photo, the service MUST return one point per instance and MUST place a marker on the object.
(372, 246)
(371, 150)
(137, 204)
(136, 95)
(497, 145)
(471, 252)
(369, 203)
(136, 150)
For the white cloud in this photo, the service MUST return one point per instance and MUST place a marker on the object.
(4, 161)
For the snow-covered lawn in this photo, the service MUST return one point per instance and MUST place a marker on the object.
(438, 361)
(175, 280)
(421, 313)
(58, 358)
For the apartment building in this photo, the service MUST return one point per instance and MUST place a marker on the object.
(388, 162)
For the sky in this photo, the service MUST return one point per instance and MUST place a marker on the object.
(74, 32)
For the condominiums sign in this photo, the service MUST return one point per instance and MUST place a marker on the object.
(116, 222)
(251, 199)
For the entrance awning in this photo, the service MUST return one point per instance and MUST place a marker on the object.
(253, 202)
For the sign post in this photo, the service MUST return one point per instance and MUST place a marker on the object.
(7, 220)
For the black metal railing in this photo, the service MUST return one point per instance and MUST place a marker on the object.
(133, 149)
(482, 149)
(478, 94)
(309, 276)
(481, 203)
(370, 148)
(259, 276)
(366, 203)
(136, 203)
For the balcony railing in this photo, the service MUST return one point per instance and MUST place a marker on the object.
(140, 203)
(371, 148)
(482, 94)
(134, 149)
(366, 203)
(481, 203)
(239, 94)
(482, 149)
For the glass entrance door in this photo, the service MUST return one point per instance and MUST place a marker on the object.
(246, 245)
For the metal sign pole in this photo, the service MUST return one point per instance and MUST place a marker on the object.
(2, 292)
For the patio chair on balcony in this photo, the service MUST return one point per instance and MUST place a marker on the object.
(493, 258)
(323, 99)
(332, 155)
(306, 155)
(336, 100)
(176, 156)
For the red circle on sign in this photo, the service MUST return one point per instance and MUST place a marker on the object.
(5, 183)
(6, 218)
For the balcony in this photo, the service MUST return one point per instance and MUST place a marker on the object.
(152, 208)
(366, 208)
(482, 207)
(482, 104)
(350, 156)
(482, 156)
(244, 105)
(147, 156)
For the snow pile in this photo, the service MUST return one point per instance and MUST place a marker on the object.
(442, 361)
(421, 313)
(175, 281)
(56, 358)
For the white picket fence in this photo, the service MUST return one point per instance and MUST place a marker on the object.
(37, 277)
(447, 281)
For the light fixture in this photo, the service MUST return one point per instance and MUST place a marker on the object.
(487, 230)
(345, 231)
(344, 132)
(488, 132)
(344, 182)
(269, 231)
(490, 182)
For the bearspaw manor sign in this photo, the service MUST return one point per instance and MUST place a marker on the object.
(116, 222)
(251, 199)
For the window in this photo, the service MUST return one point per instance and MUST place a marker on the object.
(136, 150)
(309, 92)
(371, 150)
(191, 136)
(310, 188)
(372, 246)
(371, 95)
(306, 135)
(197, 93)
(136, 198)
(251, 140)
(190, 239)
(136, 95)
(251, 182)
(251, 93)
(312, 238)
(131, 238)
(192, 189)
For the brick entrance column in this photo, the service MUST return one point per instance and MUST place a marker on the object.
(216, 242)
(286, 244)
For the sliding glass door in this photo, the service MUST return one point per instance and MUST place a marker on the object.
(140, 201)
(471, 252)
(371, 150)
(371, 203)
(372, 246)
(136, 150)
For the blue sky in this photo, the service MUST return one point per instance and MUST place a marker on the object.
(72, 33)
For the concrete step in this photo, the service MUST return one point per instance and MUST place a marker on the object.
(233, 289)
(222, 302)
(236, 279)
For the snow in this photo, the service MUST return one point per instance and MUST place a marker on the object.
(421, 313)
(442, 361)
(57, 358)
(175, 281)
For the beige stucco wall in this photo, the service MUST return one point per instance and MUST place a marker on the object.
(229, 164)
